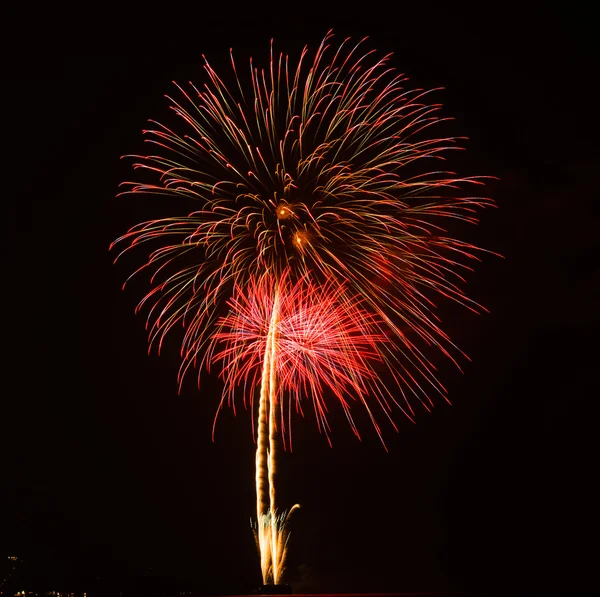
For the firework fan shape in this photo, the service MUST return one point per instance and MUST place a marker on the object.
(321, 344)
(317, 247)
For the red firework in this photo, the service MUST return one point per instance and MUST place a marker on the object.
(325, 342)
(322, 173)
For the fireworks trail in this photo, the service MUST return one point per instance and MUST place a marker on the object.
(301, 338)
(319, 229)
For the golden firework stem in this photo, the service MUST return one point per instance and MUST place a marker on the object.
(271, 349)
(265, 457)
(271, 528)
(262, 446)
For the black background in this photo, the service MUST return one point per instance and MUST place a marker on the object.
(110, 480)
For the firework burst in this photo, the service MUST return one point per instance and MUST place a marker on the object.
(321, 344)
(319, 226)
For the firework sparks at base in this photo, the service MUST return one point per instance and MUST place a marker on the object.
(272, 534)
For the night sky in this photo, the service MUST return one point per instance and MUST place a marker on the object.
(109, 478)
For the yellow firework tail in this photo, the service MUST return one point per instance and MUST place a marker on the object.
(271, 528)
(262, 460)
(272, 355)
